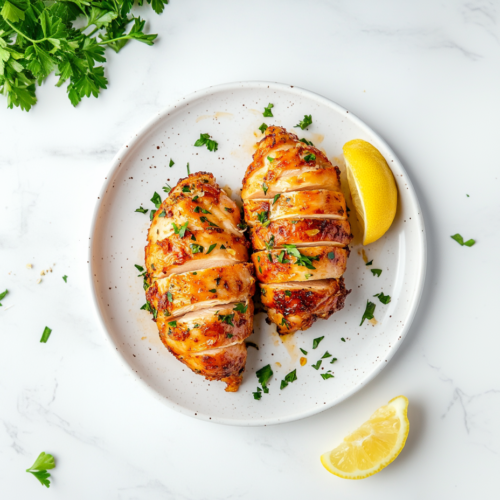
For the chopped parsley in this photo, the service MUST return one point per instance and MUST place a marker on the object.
(368, 314)
(288, 293)
(167, 188)
(458, 238)
(333, 361)
(172, 323)
(307, 276)
(305, 141)
(45, 335)
(303, 124)
(262, 216)
(39, 469)
(186, 189)
(326, 355)
(270, 243)
(285, 322)
(317, 341)
(264, 374)
(147, 307)
(213, 290)
(156, 199)
(205, 140)
(229, 336)
(195, 248)
(276, 196)
(226, 318)
(281, 258)
(369, 263)
(257, 395)
(309, 157)
(263, 128)
(265, 188)
(267, 111)
(169, 297)
(204, 219)
(317, 365)
(291, 377)
(142, 210)
(211, 247)
(376, 272)
(342, 339)
(139, 268)
(198, 209)
(162, 213)
(65, 278)
(152, 214)
(270, 159)
(260, 270)
(171, 163)
(385, 299)
(302, 260)
(303, 351)
(326, 375)
(181, 231)
(241, 308)
(242, 226)
(188, 170)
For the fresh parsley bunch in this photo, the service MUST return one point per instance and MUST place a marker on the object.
(38, 37)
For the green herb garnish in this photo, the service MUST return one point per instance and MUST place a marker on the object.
(211, 247)
(257, 395)
(333, 361)
(142, 210)
(267, 111)
(270, 243)
(181, 231)
(288, 293)
(167, 188)
(39, 469)
(172, 323)
(205, 140)
(385, 299)
(65, 278)
(45, 335)
(303, 124)
(263, 128)
(264, 374)
(317, 341)
(303, 351)
(265, 187)
(376, 272)
(327, 375)
(291, 377)
(458, 238)
(226, 318)
(305, 141)
(368, 314)
(301, 260)
(241, 308)
(171, 163)
(326, 355)
(317, 365)
(156, 199)
(275, 199)
(188, 170)
(309, 157)
(213, 290)
(369, 263)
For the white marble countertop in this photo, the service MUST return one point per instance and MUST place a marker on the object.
(425, 76)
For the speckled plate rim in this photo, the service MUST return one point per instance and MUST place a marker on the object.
(297, 91)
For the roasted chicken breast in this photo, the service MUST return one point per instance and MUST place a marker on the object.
(199, 283)
(299, 230)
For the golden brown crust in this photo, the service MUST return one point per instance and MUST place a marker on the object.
(280, 265)
(301, 232)
(294, 307)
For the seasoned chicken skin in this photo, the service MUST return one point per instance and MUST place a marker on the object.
(299, 230)
(199, 283)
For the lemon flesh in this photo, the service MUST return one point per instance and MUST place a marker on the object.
(372, 446)
(373, 188)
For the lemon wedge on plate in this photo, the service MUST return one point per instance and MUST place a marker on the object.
(373, 188)
(372, 446)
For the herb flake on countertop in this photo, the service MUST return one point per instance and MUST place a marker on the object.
(385, 299)
(45, 335)
(291, 377)
(368, 314)
(458, 238)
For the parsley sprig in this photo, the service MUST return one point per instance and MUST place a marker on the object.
(39, 38)
(39, 469)
(301, 259)
(303, 124)
(205, 140)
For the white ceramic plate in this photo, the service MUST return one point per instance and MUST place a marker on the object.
(232, 114)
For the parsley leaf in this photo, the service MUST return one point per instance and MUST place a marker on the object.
(142, 210)
(262, 216)
(264, 187)
(270, 159)
(45, 335)
(65, 278)
(303, 351)
(326, 376)
(172, 323)
(195, 248)
(309, 157)
(376, 272)
(326, 355)
(291, 377)
(305, 141)
(205, 140)
(317, 341)
(342, 339)
(152, 214)
(2, 295)
(368, 314)
(317, 365)
(263, 128)
(211, 247)
(213, 290)
(369, 263)
(257, 395)
(181, 231)
(303, 124)
(288, 293)
(156, 199)
(240, 307)
(276, 196)
(167, 188)
(458, 238)
(264, 374)
(301, 259)
(39, 469)
(270, 243)
(226, 318)
(267, 111)
(171, 163)
(333, 361)
(385, 299)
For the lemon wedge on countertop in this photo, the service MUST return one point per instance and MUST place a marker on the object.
(373, 188)
(372, 446)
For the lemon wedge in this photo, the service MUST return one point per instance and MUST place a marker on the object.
(373, 188)
(372, 446)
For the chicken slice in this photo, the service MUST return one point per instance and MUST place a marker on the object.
(210, 328)
(195, 250)
(317, 204)
(303, 232)
(295, 306)
(293, 264)
(179, 294)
